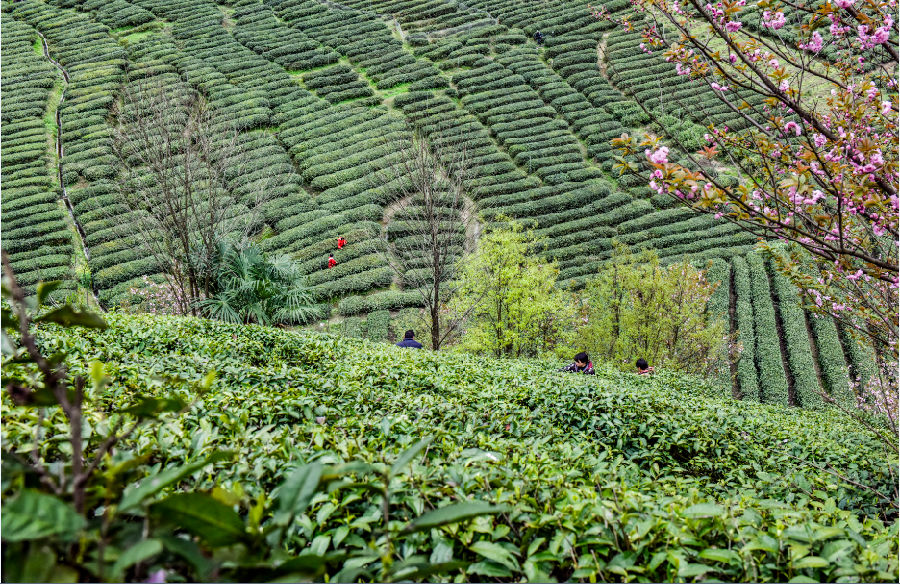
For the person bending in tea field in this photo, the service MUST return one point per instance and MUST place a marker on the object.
(331, 261)
(409, 342)
(643, 368)
(341, 242)
(581, 364)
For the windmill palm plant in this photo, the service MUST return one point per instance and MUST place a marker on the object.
(252, 288)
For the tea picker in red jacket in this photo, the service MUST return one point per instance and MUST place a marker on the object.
(331, 261)
(341, 242)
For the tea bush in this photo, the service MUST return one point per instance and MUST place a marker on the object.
(613, 477)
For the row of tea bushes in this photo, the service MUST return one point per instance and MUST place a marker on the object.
(36, 234)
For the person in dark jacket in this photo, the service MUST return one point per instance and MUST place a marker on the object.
(408, 341)
(581, 364)
(643, 368)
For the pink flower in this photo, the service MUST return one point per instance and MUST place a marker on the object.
(773, 20)
(733, 26)
(718, 87)
(885, 108)
(792, 127)
(844, 3)
(815, 43)
(661, 156)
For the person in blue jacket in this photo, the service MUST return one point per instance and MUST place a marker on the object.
(409, 342)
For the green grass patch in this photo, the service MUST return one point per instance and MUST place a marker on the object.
(394, 91)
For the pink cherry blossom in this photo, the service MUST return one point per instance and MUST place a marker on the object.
(793, 127)
(773, 20)
(659, 157)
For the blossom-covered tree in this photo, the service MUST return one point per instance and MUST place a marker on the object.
(815, 86)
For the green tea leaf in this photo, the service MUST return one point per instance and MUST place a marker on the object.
(203, 516)
(811, 562)
(140, 552)
(36, 515)
(296, 491)
(494, 552)
(44, 289)
(308, 564)
(688, 570)
(425, 569)
(719, 555)
(407, 455)
(68, 316)
(148, 407)
(453, 514)
(704, 510)
(148, 487)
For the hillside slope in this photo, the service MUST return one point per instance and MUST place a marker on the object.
(315, 88)
(609, 477)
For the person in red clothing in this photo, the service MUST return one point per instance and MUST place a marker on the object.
(331, 261)
(341, 242)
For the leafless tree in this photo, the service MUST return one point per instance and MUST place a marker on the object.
(179, 161)
(432, 226)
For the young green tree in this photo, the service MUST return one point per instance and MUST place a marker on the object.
(637, 308)
(515, 308)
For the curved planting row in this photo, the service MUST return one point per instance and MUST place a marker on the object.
(113, 13)
(35, 232)
(364, 39)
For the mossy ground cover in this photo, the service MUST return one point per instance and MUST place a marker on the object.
(613, 477)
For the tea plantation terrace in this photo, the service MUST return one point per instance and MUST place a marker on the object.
(317, 91)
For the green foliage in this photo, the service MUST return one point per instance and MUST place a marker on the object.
(510, 295)
(254, 288)
(746, 365)
(637, 308)
(502, 470)
(353, 326)
(800, 357)
(377, 325)
(772, 380)
(718, 274)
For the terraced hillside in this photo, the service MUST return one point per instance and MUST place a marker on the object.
(316, 88)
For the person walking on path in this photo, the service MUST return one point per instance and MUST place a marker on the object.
(409, 341)
(331, 261)
(581, 364)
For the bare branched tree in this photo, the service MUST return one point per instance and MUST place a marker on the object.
(434, 226)
(179, 160)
